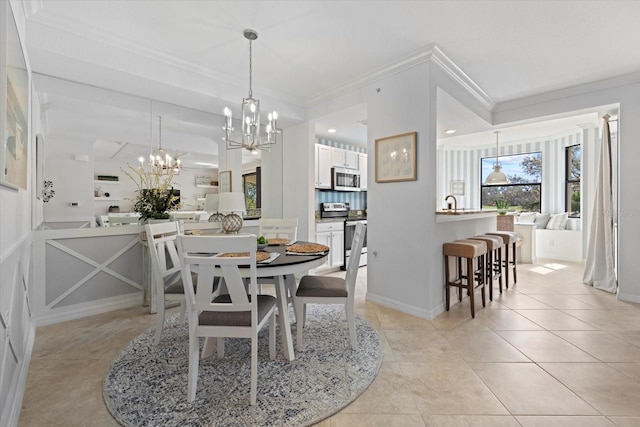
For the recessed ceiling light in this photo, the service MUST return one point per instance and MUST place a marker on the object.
(331, 130)
(450, 131)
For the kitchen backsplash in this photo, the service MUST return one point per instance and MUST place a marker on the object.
(357, 199)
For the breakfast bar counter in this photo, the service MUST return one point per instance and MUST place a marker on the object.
(463, 214)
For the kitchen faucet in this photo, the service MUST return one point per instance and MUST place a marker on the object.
(455, 203)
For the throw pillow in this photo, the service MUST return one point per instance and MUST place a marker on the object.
(527, 217)
(558, 221)
(542, 220)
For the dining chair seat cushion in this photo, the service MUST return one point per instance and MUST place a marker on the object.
(322, 286)
(236, 318)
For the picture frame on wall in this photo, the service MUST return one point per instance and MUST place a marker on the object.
(224, 181)
(395, 158)
(14, 91)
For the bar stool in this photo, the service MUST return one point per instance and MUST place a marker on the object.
(471, 250)
(509, 239)
(494, 260)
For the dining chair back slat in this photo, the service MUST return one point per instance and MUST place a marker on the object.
(286, 228)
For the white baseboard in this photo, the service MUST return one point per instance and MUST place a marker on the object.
(629, 297)
(12, 415)
(406, 308)
(88, 309)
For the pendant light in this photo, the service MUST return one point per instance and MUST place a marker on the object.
(497, 177)
(251, 136)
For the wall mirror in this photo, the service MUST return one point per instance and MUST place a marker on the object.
(14, 83)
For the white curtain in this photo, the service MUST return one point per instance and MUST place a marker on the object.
(599, 270)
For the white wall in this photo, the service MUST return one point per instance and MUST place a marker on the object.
(16, 214)
(297, 178)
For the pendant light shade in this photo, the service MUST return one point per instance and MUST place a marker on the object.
(497, 177)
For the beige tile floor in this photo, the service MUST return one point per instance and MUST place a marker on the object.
(549, 351)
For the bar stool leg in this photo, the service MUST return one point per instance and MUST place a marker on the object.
(470, 283)
(483, 275)
(499, 263)
(506, 265)
(489, 274)
(446, 280)
(460, 277)
(515, 273)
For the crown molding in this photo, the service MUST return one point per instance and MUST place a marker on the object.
(598, 85)
(429, 54)
(409, 61)
(83, 31)
(456, 73)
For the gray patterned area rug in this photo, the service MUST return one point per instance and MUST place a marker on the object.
(146, 385)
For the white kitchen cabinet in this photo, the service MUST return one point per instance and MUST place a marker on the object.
(344, 158)
(331, 234)
(323, 166)
(362, 167)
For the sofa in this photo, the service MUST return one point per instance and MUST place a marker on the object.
(549, 236)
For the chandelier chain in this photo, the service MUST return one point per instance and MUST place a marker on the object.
(250, 69)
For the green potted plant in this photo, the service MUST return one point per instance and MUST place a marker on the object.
(154, 196)
(502, 206)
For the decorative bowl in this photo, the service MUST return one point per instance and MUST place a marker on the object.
(261, 246)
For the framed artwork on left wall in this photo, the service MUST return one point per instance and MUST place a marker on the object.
(15, 97)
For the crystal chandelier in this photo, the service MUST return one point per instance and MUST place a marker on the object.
(160, 162)
(497, 177)
(251, 136)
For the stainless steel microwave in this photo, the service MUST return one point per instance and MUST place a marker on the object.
(343, 179)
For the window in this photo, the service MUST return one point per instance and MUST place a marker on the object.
(573, 159)
(523, 192)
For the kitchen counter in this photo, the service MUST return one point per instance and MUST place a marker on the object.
(463, 214)
(351, 218)
(321, 220)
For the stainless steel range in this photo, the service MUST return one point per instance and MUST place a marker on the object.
(338, 211)
(334, 210)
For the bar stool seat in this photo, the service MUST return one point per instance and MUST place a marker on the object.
(469, 250)
(494, 260)
(509, 239)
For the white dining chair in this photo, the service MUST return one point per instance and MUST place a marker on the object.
(166, 267)
(184, 216)
(286, 228)
(123, 220)
(236, 314)
(332, 290)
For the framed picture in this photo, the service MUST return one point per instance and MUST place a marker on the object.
(14, 91)
(224, 181)
(395, 158)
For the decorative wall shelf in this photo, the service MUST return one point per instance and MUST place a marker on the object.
(97, 181)
(206, 186)
(105, 199)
